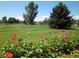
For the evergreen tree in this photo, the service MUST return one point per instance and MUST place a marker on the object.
(31, 12)
(59, 17)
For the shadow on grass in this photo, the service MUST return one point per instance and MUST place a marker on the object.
(67, 28)
(71, 29)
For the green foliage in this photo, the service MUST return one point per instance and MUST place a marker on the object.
(23, 48)
(59, 17)
(63, 47)
(75, 54)
(12, 20)
(31, 9)
(4, 19)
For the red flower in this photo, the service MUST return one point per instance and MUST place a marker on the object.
(8, 55)
(13, 37)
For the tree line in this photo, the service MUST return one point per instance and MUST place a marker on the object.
(59, 16)
(10, 20)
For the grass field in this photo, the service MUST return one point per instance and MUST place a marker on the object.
(30, 32)
(33, 32)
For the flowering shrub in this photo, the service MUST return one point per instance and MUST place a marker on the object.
(23, 48)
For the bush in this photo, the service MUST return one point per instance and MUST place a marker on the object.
(26, 49)
(12, 20)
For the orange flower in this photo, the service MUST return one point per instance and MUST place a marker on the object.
(8, 55)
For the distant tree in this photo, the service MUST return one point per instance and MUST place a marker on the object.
(40, 22)
(11, 20)
(31, 12)
(1, 21)
(4, 19)
(78, 23)
(46, 21)
(59, 17)
(17, 21)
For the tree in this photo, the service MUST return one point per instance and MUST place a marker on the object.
(11, 20)
(17, 21)
(78, 22)
(31, 12)
(4, 19)
(46, 21)
(59, 17)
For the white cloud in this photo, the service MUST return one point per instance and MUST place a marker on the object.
(40, 18)
(76, 17)
(0, 18)
(20, 18)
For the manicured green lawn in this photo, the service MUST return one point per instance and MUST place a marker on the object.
(30, 32)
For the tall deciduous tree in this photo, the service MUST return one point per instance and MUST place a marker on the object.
(59, 17)
(31, 12)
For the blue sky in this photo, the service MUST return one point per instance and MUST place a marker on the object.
(16, 8)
